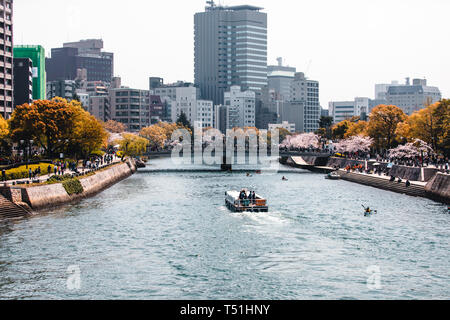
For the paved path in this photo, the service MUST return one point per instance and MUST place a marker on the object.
(45, 177)
(418, 183)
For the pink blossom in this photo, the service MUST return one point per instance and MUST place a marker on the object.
(304, 140)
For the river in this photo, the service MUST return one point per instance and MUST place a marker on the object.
(166, 235)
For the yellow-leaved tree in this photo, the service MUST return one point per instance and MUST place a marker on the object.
(114, 126)
(4, 128)
(431, 124)
(356, 129)
(156, 136)
(383, 124)
(339, 130)
(133, 145)
(89, 134)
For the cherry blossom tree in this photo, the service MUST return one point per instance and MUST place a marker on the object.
(411, 150)
(304, 140)
(354, 144)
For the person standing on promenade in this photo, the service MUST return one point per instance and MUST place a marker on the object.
(3, 175)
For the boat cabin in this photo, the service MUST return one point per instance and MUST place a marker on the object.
(235, 204)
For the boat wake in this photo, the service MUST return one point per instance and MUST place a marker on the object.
(263, 219)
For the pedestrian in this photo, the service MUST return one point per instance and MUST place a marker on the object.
(49, 169)
(4, 175)
(30, 173)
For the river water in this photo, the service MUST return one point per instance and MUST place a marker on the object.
(166, 235)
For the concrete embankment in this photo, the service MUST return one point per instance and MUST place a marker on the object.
(49, 196)
(438, 187)
(414, 190)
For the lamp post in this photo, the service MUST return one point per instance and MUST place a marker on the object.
(27, 150)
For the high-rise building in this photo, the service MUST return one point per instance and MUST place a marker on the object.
(23, 81)
(307, 91)
(37, 56)
(6, 58)
(130, 107)
(280, 80)
(66, 62)
(241, 108)
(230, 49)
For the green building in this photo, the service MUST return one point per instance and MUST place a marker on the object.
(37, 55)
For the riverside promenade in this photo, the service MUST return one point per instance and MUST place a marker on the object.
(428, 182)
(27, 200)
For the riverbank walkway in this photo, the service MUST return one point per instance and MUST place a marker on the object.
(415, 189)
(45, 177)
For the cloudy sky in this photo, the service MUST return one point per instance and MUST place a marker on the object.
(348, 45)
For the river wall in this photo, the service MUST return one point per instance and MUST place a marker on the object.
(49, 196)
(438, 188)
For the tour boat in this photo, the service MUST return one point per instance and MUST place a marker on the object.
(233, 203)
(333, 176)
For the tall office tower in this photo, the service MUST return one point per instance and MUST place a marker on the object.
(307, 91)
(66, 62)
(230, 49)
(37, 55)
(23, 81)
(6, 58)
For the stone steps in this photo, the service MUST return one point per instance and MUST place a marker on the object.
(11, 211)
(413, 190)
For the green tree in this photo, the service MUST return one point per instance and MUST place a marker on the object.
(325, 122)
(184, 122)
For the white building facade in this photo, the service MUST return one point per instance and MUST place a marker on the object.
(240, 108)
(284, 125)
(187, 102)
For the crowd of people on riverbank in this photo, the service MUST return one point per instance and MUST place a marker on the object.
(62, 167)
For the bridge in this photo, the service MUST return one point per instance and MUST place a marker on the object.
(281, 154)
(227, 160)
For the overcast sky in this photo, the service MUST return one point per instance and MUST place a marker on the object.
(348, 45)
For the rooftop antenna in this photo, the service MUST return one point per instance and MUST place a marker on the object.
(211, 3)
(280, 61)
